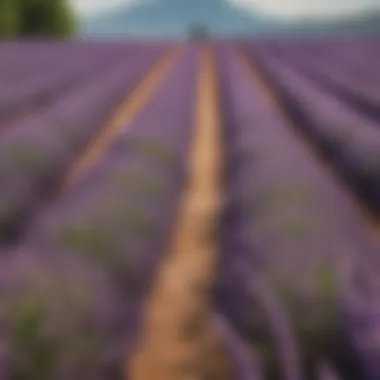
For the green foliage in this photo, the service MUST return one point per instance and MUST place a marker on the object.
(28, 341)
(292, 192)
(9, 18)
(154, 149)
(44, 319)
(36, 18)
(135, 220)
(46, 18)
(85, 238)
(137, 182)
(27, 157)
(326, 281)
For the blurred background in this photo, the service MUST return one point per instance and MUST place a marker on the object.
(178, 18)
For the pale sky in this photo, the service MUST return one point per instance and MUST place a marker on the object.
(282, 8)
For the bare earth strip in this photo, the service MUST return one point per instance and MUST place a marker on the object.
(177, 342)
(123, 117)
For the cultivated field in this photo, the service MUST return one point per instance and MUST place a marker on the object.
(199, 211)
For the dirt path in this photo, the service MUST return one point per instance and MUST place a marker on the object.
(122, 118)
(177, 343)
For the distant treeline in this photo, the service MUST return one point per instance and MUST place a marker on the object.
(36, 18)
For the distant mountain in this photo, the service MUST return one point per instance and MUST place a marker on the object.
(174, 18)
(168, 18)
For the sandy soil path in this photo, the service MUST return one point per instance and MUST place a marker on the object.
(128, 110)
(178, 341)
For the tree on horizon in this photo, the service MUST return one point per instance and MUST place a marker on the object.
(36, 18)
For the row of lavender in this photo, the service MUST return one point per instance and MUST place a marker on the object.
(72, 290)
(298, 270)
(35, 75)
(88, 259)
(22, 62)
(346, 137)
(36, 150)
(349, 71)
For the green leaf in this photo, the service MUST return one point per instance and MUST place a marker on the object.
(40, 354)
(139, 183)
(154, 149)
(83, 236)
(136, 221)
(29, 157)
(326, 282)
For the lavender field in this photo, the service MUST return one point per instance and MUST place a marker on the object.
(205, 210)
